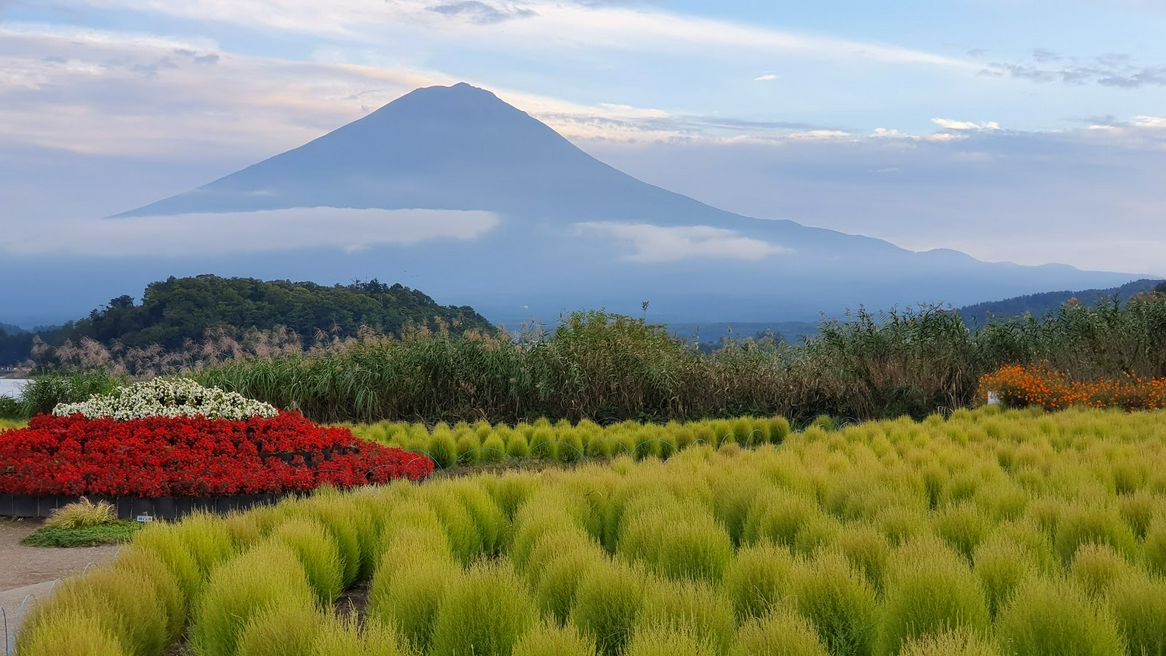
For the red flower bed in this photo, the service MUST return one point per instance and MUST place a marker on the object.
(192, 456)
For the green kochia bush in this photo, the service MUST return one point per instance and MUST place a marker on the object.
(840, 603)
(1138, 603)
(1047, 618)
(69, 632)
(781, 633)
(758, 579)
(1001, 565)
(105, 599)
(483, 613)
(680, 540)
(1092, 525)
(930, 589)
(606, 604)
(281, 631)
(664, 641)
(147, 568)
(558, 564)
(689, 606)
(318, 555)
(344, 636)
(408, 597)
(951, 643)
(266, 577)
(549, 639)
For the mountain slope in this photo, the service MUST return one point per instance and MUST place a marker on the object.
(574, 232)
(1044, 303)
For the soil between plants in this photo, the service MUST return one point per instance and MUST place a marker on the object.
(21, 565)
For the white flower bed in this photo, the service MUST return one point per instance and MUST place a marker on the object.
(168, 397)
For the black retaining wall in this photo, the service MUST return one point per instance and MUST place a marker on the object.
(19, 505)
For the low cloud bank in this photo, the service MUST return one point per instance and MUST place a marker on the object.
(248, 232)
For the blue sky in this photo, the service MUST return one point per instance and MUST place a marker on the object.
(1022, 130)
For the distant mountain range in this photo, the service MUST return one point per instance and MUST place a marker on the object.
(976, 316)
(554, 229)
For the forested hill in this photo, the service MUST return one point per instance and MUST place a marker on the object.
(1041, 304)
(177, 309)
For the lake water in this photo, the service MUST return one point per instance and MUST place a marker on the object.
(11, 386)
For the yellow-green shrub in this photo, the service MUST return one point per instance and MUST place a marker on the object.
(484, 613)
(267, 576)
(606, 604)
(758, 579)
(780, 633)
(1047, 617)
(929, 590)
(548, 639)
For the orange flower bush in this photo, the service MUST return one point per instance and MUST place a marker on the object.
(1019, 385)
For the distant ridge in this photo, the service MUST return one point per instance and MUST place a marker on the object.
(1043, 303)
(177, 312)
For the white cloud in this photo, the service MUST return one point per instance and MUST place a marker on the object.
(965, 126)
(768, 77)
(654, 244)
(573, 25)
(1151, 122)
(92, 91)
(351, 230)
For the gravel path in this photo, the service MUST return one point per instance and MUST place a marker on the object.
(29, 572)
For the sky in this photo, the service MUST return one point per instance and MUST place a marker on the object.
(1031, 131)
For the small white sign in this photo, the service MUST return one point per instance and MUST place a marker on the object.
(145, 519)
(993, 398)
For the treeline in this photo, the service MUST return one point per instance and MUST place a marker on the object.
(15, 345)
(179, 313)
(1047, 302)
(608, 367)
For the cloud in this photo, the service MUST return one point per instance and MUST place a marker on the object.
(351, 230)
(965, 126)
(1108, 70)
(480, 12)
(768, 77)
(1089, 197)
(590, 26)
(94, 91)
(658, 244)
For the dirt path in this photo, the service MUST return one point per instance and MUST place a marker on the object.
(21, 565)
(28, 573)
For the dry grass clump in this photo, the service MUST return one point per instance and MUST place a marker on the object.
(82, 513)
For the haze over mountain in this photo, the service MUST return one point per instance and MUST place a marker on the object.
(497, 211)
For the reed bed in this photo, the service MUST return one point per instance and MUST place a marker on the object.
(607, 367)
(988, 533)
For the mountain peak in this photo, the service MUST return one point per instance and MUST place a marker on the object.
(461, 97)
(571, 231)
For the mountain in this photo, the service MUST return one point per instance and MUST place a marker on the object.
(1038, 305)
(567, 231)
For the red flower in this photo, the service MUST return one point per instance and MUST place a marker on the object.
(192, 456)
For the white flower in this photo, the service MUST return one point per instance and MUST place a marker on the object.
(168, 397)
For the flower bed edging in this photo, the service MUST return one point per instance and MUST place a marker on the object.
(166, 508)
